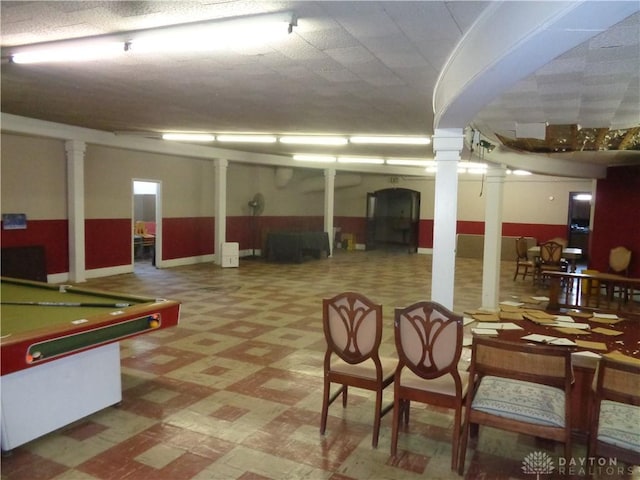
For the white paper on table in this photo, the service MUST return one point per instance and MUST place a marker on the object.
(579, 326)
(512, 304)
(536, 337)
(466, 321)
(586, 353)
(563, 342)
(498, 326)
(484, 331)
(541, 299)
(605, 315)
(564, 318)
(548, 339)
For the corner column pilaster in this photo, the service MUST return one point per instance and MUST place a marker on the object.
(75, 151)
(329, 198)
(220, 236)
(492, 236)
(447, 145)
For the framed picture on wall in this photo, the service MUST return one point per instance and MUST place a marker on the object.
(14, 221)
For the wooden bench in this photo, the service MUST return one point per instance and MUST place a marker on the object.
(472, 246)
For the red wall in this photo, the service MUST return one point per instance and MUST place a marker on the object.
(107, 242)
(616, 219)
(245, 229)
(52, 234)
(354, 225)
(425, 234)
(187, 237)
(540, 232)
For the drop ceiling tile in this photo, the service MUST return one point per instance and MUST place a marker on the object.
(350, 55)
(328, 39)
(622, 35)
(560, 87)
(405, 59)
(337, 75)
(563, 66)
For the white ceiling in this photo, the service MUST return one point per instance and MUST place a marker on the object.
(349, 67)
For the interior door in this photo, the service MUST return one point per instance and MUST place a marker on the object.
(415, 221)
(393, 218)
(370, 240)
(579, 219)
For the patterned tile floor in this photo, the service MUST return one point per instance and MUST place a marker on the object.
(234, 392)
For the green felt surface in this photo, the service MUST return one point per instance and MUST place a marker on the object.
(17, 319)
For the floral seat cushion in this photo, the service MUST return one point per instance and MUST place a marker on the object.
(618, 425)
(519, 400)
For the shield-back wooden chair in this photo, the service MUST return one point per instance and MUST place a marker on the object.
(619, 260)
(614, 428)
(353, 330)
(429, 343)
(522, 259)
(550, 259)
(520, 388)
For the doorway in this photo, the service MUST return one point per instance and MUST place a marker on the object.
(146, 223)
(579, 219)
(393, 215)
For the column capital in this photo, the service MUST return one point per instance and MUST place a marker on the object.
(448, 139)
(221, 162)
(75, 146)
(496, 173)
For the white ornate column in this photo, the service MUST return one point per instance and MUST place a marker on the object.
(329, 197)
(220, 236)
(447, 145)
(494, 189)
(75, 209)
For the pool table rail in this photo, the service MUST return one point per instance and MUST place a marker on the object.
(26, 348)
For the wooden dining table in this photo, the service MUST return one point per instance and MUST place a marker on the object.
(571, 254)
(576, 290)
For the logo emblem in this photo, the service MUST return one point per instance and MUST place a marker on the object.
(538, 463)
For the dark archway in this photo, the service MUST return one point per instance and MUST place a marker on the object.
(392, 219)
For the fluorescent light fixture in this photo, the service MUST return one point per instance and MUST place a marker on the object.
(314, 158)
(373, 161)
(472, 167)
(391, 140)
(431, 169)
(84, 51)
(313, 140)
(222, 34)
(246, 138)
(521, 172)
(189, 137)
(582, 197)
(411, 162)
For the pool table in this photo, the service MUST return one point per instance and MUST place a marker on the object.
(60, 352)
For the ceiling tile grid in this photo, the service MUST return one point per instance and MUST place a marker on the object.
(348, 67)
